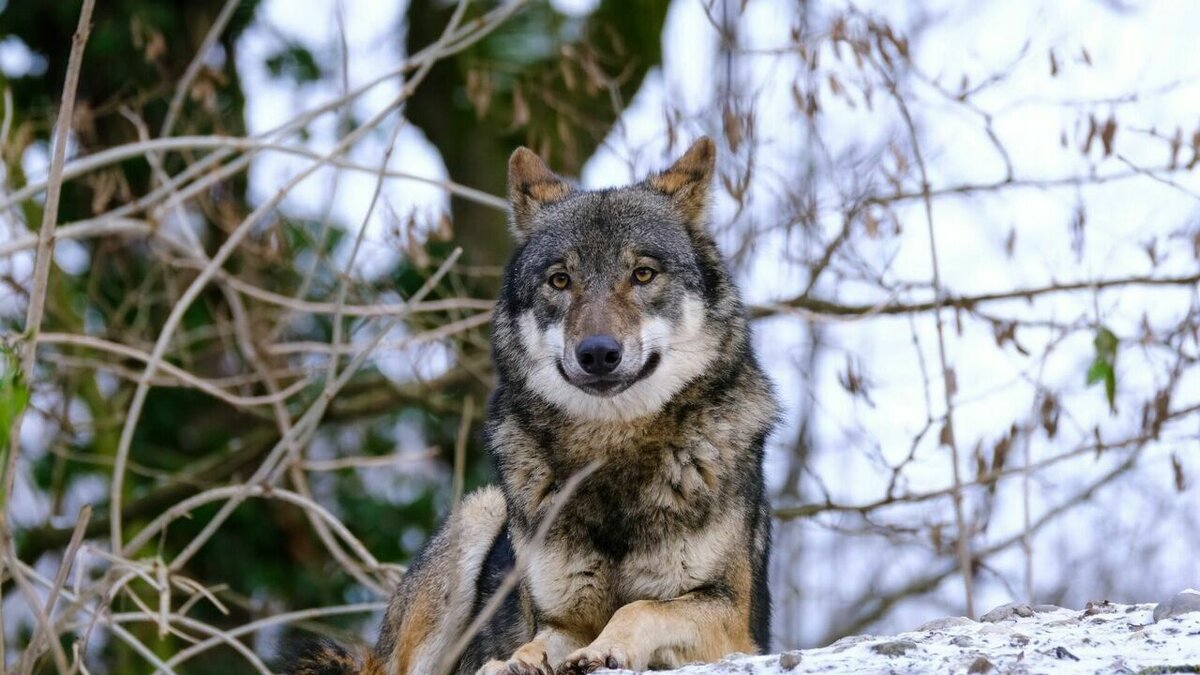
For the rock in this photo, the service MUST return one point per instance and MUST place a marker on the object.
(1095, 607)
(1062, 653)
(894, 648)
(980, 665)
(943, 624)
(1118, 667)
(850, 641)
(1183, 603)
(789, 660)
(1047, 609)
(962, 641)
(1012, 610)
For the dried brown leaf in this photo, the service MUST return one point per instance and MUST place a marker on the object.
(1001, 450)
(520, 107)
(568, 75)
(1050, 414)
(156, 47)
(946, 435)
(1093, 128)
(871, 224)
(479, 91)
(1107, 134)
(445, 230)
(733, 128)
(835, 86)
(1176, 145)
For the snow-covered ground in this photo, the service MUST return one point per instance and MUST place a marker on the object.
(1103, 637)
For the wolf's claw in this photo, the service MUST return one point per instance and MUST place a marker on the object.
(516, 667)
(589, 659)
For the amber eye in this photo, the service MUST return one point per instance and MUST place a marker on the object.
(560, 280)
(643, 275)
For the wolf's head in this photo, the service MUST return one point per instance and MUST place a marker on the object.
(615, 299)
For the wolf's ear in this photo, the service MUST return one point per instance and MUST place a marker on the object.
(531, 185)
(687, 181)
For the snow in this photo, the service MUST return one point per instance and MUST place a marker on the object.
(1103, 638)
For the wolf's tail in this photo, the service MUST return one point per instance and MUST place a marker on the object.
(325, 657)
(432, 605)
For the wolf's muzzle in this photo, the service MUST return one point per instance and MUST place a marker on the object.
(608, 385)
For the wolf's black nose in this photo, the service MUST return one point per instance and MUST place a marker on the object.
(598, 354)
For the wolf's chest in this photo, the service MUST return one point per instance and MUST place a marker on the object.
(677, 564)
(645, 526)
(569, 579)
(644, 500)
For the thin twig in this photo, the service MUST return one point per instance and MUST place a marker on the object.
(183, 376)
(881, 603)
(54, 182)
(274, 620)
(44, 625)
(193, 291)
(366, 462)
(60, 578)
(824, 307)
(963, 540)
(460, 451)
(37, 303)
(183, 508)
(268, 471)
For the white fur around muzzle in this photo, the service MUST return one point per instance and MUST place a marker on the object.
(686, 349)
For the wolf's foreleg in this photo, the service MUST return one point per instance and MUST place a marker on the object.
(667, 634)
(539, 656)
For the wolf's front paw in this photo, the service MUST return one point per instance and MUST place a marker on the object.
(598, 655)
(516, 666)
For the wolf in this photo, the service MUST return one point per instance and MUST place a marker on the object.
(621, 346)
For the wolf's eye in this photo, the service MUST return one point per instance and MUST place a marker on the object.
(643, 275)
(560, 280)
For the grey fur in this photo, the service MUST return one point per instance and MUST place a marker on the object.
(674, 527)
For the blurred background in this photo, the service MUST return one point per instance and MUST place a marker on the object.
(969, 235)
